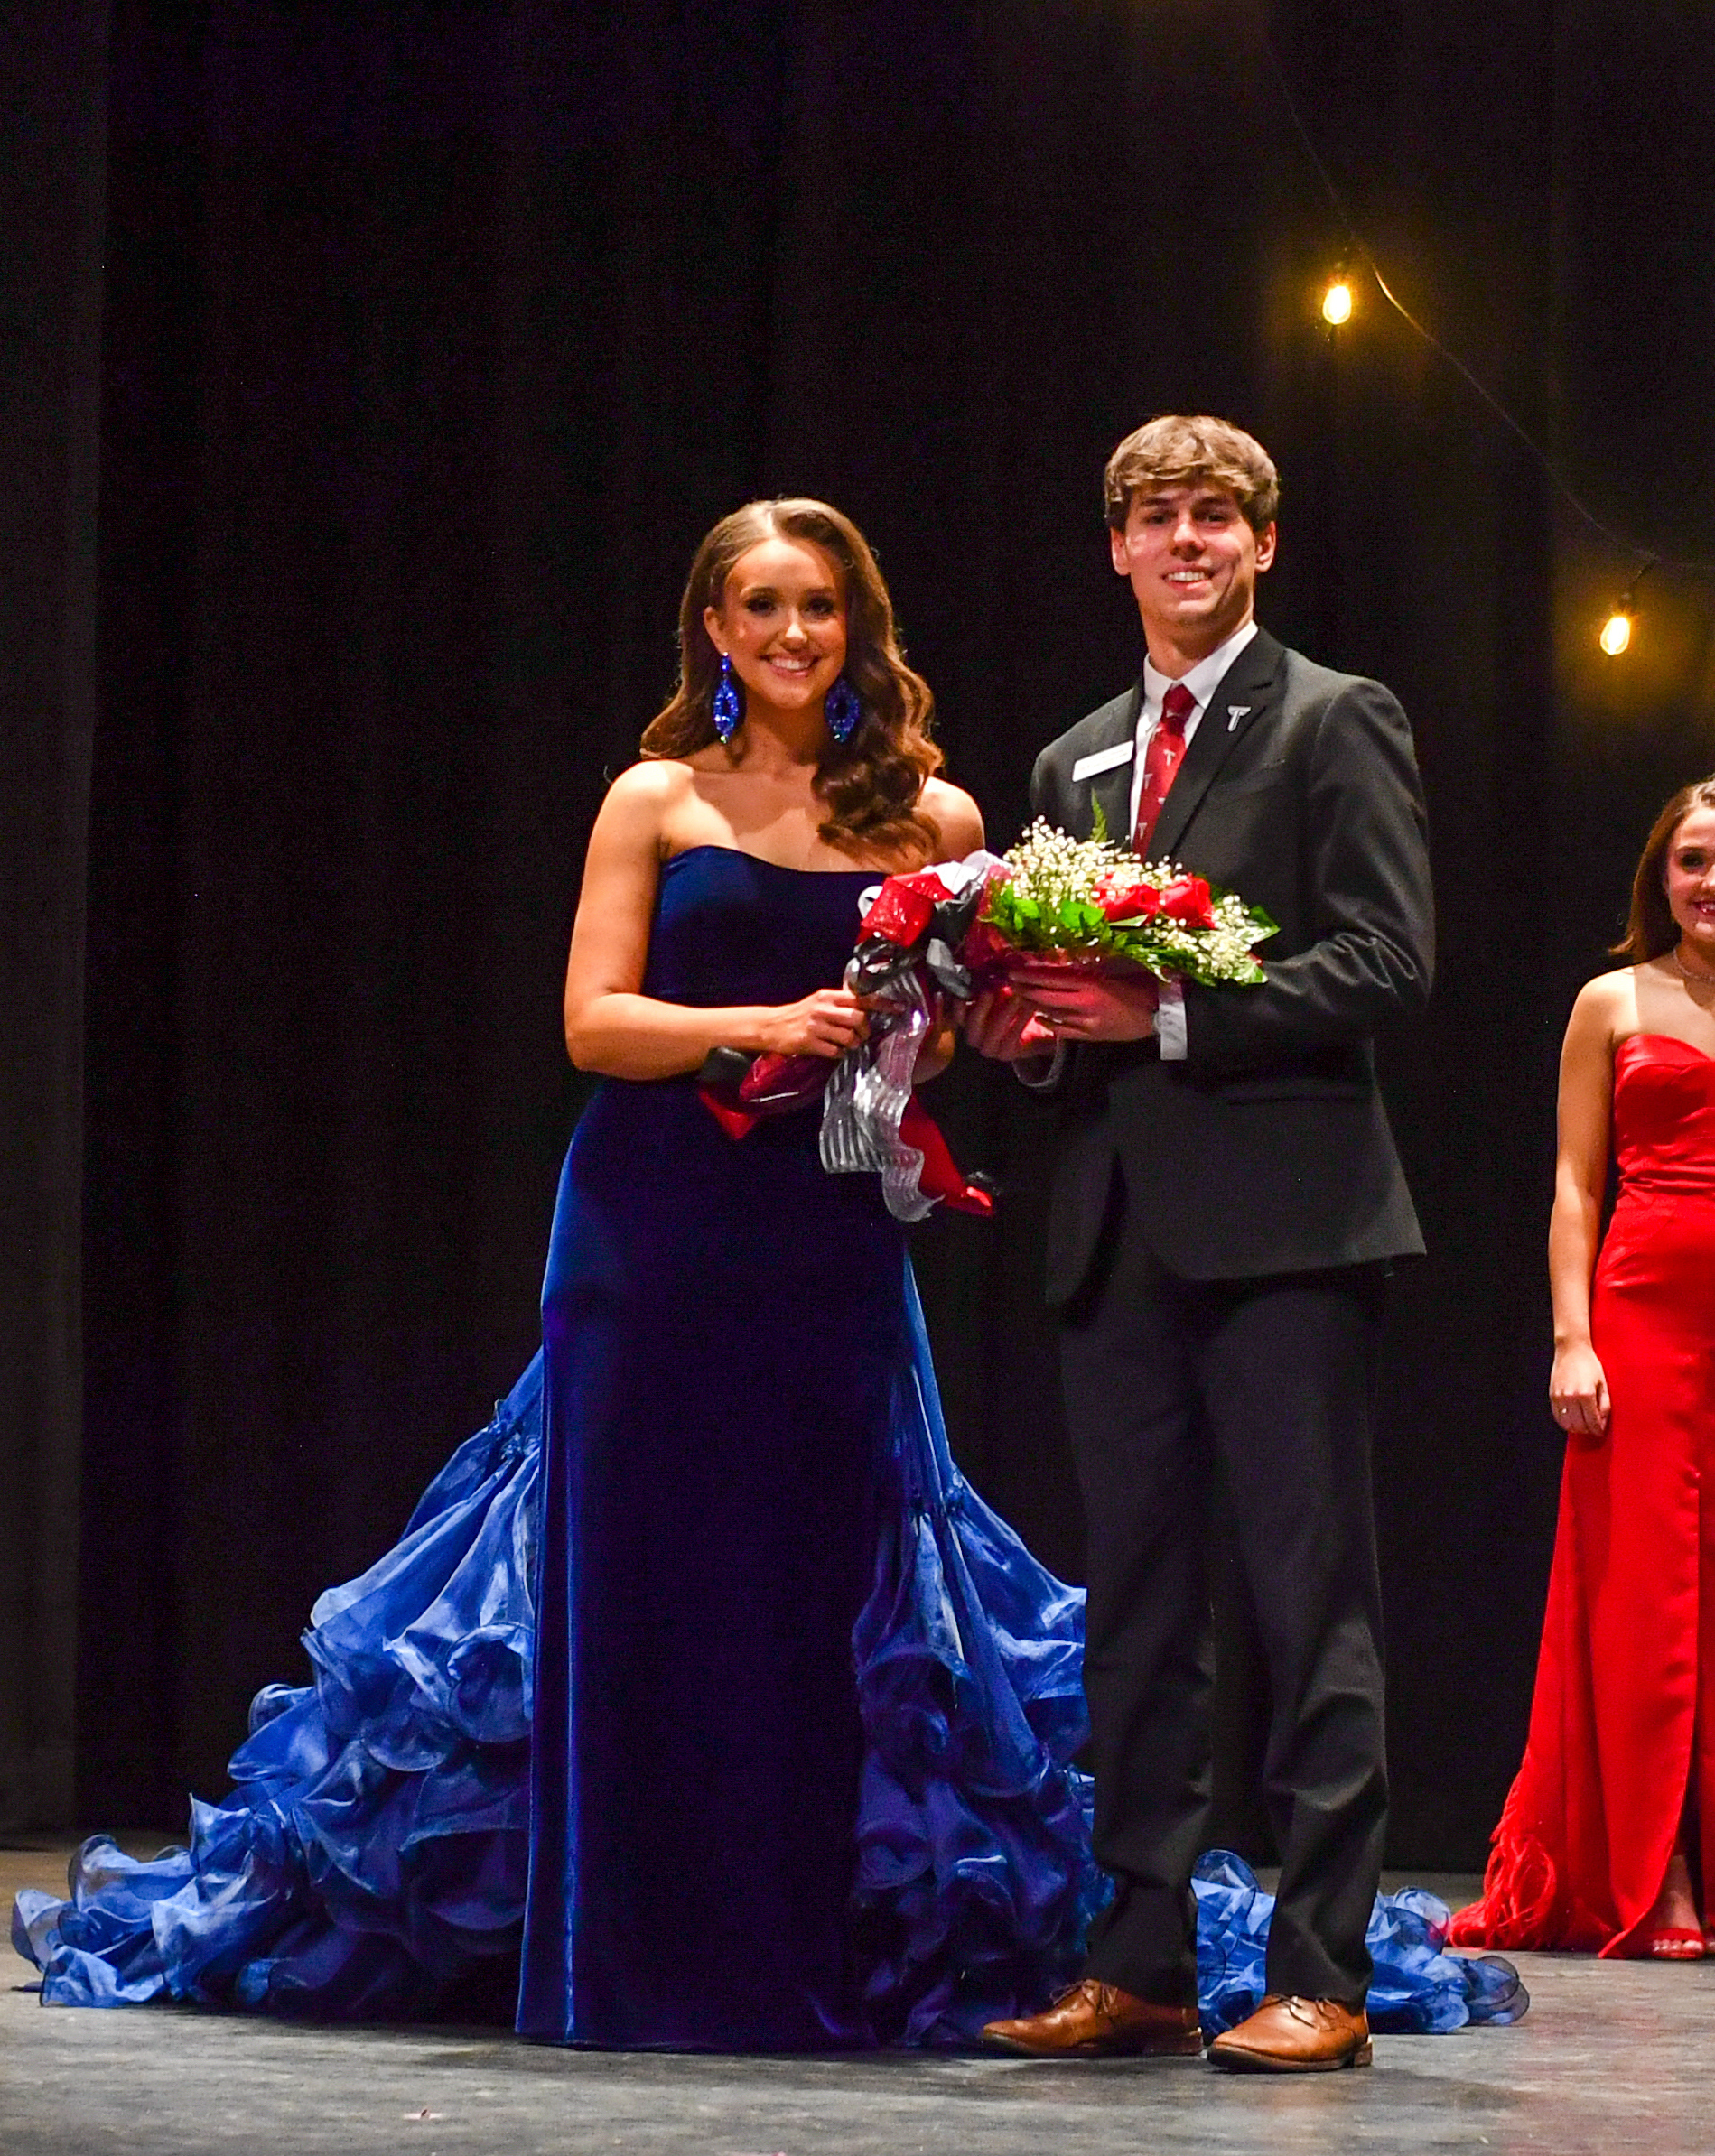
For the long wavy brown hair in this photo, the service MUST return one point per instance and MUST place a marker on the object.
(1650, 928)
(870, 783)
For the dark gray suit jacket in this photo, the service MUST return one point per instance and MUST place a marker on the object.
(1268, 1150)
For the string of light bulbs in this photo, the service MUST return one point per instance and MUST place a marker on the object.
(1338, 304)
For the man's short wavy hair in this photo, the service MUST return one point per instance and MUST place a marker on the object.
(1178, 450)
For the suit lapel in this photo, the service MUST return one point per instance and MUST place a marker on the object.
(1111, 791)
(1241, 697)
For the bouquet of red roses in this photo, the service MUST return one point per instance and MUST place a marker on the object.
(1093, 903)
(940, 935)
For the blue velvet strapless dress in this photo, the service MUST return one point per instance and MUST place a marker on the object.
(704, 1704)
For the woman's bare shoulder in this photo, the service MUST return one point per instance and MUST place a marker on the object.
(653, 787)
(1609, 991)
(660, 780)
(954, 815)
(639, 804)
(1605, 1006)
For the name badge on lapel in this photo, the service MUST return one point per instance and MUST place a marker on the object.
(1104, 760)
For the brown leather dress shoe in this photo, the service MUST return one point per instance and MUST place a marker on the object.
(1295, 2036)
(1097, 2021)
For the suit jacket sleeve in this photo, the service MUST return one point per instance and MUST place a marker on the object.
(1371, 902)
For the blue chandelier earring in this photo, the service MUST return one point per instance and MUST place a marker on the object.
(729, 707)
(843, 710)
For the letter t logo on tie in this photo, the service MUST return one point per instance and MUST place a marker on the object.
(1162, 761)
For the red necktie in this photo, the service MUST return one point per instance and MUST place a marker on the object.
(1162, 761)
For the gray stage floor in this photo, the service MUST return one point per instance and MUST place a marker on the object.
(1612, 2057)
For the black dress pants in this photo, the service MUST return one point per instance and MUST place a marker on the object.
(1269, 1383)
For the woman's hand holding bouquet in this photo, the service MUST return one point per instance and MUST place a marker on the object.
(825, 1023)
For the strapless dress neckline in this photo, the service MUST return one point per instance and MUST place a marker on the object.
(762, 861)
(1671, 1040)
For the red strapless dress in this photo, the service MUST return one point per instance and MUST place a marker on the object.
(1625, 1680)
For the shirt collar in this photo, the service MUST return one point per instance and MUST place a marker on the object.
(1203, 679)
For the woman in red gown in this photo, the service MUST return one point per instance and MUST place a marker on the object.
(1617, 1784)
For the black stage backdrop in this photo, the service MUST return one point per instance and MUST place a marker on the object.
(436, 335)
(51, 174)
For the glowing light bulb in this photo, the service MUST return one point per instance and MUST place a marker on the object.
(1337, 304)
(1617, 634)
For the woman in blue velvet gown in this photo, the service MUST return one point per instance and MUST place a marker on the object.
(702, 1698)
(728, 1349)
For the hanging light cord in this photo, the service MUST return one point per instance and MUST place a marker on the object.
(1645, 557)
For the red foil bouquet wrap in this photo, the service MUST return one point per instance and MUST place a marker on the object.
(905, 966)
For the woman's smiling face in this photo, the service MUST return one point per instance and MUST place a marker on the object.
(782, 623)
(1690, 877)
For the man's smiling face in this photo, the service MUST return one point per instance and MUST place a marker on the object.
(1192, 561)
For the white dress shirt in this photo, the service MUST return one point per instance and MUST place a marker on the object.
(1202, 680)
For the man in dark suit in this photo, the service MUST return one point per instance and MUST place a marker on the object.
(1226, 1201)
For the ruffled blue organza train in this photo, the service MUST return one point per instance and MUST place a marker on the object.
(373, 1852)
(371, 1861)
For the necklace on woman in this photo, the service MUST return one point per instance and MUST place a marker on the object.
(1690, 974)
